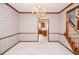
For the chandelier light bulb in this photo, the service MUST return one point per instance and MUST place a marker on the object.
(39, 11)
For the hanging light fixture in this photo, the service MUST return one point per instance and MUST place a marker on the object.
(39, 11)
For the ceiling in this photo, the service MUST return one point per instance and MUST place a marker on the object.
(28, 7)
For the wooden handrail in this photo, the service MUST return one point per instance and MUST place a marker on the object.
(72, 42)
(74, 27)
(72, 23)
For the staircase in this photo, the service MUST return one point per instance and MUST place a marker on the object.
(72, 35)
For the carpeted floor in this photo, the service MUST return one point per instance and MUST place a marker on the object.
(38, 48)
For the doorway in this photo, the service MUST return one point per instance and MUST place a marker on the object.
(43, 30)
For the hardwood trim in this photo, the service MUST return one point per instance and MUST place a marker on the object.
(66, 23)
(57, 33)
(66, 7)
(12, 7)
(46, 12)
(25, 12)
(29, 41)
(73, 8)
(38, 29)
(52, 41)
(74, 27)
(48, 30)
(52, 12)
(67, 48)
(28, 33)
(71, 23)
(37, 33)
(25, 33)
(9, 36)
(9, 48)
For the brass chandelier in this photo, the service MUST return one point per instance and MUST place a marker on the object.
(39, 11)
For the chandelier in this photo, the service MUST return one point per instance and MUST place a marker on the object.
(39, 11)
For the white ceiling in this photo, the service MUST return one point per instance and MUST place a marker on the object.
(50, 7)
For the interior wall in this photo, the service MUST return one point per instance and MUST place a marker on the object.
(54, 26)
(63, 23)
(29, 24)
(8, 25)
(11, 22)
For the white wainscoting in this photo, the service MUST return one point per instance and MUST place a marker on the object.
(9, 25)
(54, 37)
(7, 43)
(28, 37)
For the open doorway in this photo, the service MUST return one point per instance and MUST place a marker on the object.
(43, 30)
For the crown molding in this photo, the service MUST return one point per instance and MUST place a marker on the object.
(73, 8)
(31, 12)
(66, 7)
(12, 7)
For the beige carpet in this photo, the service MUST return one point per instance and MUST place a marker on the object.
(38, 48)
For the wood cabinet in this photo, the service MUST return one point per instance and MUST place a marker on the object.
(43, 32)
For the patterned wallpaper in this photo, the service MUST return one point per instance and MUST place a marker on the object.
(8, 26)
(8, 21)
